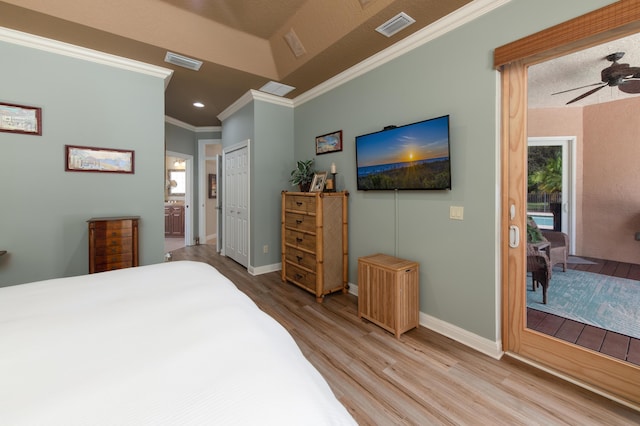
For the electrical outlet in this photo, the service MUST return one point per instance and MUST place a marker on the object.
(265, 248)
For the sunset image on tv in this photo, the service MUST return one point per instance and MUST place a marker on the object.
(415, 156)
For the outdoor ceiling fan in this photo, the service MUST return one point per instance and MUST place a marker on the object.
(622, 76)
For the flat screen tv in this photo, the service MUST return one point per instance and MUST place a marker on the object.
(413, 157)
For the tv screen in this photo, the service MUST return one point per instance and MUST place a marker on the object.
(414, 156)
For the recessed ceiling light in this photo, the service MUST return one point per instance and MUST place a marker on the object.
(198, 104)
(277, 89)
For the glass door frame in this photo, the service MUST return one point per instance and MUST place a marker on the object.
(600, 373)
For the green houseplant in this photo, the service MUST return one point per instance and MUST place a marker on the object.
(302, 175)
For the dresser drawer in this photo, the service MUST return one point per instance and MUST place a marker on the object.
(301, 222)
(113, 225)
(301, 277)
(113, 261)
(300, 203)
(123, 246)
(300, 239)
(299, 257)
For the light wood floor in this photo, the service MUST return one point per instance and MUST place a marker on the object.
(422, 379)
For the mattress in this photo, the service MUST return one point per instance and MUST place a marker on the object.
(168, 344)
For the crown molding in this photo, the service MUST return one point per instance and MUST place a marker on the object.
(254, 95)
(70, 50)
(448, 23)
(187, 126)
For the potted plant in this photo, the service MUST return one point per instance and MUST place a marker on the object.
(302, 175)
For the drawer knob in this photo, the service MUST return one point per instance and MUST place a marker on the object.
(298, 239)
(298, 277)
(298, 203)
(299, 258)
(298, 221)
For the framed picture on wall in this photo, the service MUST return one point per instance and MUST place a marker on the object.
(331, 142)
(213, 186)
(103, 160)
(20, 119)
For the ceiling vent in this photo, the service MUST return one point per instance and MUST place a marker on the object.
(294, 43)
(183, 61)
(277, 89)
(395, 24)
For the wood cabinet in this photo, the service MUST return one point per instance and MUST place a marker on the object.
(113, 243)
(314, 241)
(174, 221)
(388, 292)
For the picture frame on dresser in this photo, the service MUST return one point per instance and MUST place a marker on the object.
(98, 160)
(319, 180)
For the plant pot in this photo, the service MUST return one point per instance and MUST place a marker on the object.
(304, 187)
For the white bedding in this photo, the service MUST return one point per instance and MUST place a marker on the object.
(169, 344)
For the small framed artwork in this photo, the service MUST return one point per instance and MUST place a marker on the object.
(331, 142)
(103, 160)
(213, 186)
(319, 179)
(20, 119)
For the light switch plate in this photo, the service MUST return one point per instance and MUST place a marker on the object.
(456, 212)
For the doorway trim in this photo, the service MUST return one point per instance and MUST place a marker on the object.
(188, 195)
(202, 186)
(569, 167)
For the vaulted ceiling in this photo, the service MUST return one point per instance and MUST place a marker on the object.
(242, 43)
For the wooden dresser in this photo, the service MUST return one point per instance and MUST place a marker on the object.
(388, 292)
(113, 243)
(315, 241)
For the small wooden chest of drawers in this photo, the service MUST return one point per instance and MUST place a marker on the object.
(388, 292)
(314, 241)
(113, 243)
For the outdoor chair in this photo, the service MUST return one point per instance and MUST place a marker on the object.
(539, 265)
(558, 249)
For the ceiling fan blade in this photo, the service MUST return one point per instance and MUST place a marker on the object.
(630, 86)
(584, 95)
(576, 88)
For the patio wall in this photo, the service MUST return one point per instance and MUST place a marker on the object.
(608, 194)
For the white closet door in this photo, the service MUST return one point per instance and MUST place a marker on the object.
(236, 209)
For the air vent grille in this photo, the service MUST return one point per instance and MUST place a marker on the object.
(395, 24)
(277, 89)
(183, 61)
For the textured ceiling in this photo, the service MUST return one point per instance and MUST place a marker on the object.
(579, 69)
(241, 42)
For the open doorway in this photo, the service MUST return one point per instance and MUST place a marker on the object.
(210, 194)
(177, 201)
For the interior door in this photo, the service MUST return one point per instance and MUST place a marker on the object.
(236, 203)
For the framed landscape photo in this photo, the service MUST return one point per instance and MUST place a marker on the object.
(102, 160)
(20, 119)
(331, 142)
(319, 179)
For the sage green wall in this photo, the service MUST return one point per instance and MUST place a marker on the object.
(272, 162)
(453, 74)
(45, 209)
(270, 129)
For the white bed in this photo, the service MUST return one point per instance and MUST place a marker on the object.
(169, 344)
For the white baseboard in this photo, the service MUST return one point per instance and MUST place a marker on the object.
(478, 343)
(264, 269)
